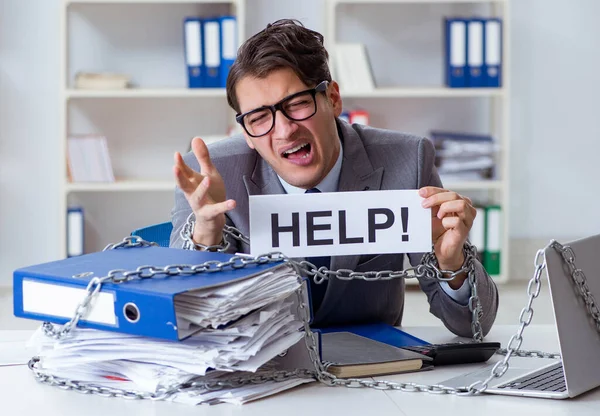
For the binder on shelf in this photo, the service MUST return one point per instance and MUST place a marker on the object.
(345, 115)
(75, 232)
(194, 58)
(456, 53)
(211, 36)
(475, 53)
(229, 45)
(477, 233)
(493, 239)
(359, 117)
(147, 307)
(353, 70)
(493, 52)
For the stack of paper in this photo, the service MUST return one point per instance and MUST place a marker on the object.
(236, 329)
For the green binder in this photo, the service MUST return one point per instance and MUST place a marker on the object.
(493, 239)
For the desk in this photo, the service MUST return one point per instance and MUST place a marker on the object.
(20, 394)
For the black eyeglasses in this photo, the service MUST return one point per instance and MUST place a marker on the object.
(297, 107)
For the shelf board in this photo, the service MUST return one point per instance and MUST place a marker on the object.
(416, 1)
(431, 92)
(472, 185)
(120, 186)
(144, 1)
(141, 185)
(148, 93)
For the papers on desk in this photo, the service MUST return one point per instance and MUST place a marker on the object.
(237, 330)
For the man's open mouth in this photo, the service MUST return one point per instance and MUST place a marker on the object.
(298, 152)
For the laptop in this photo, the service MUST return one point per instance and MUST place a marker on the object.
(579, 369)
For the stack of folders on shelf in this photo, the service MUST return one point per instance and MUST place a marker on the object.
(486, 235)
(464, 156)
(352, 68)
(88, 159)
(210, 50)
(151, 334)
(473, 52)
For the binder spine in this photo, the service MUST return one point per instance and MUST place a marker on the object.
(476, 53)
(75, 232)
(211, 35)
(229, 45)
(456, 53)
(493, 52)
(193, 51)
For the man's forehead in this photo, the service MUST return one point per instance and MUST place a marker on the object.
(255, 92)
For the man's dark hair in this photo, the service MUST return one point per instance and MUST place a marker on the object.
(285, 43)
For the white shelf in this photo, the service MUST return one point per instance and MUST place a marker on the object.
(414, 1)
(473, 185)
(145, 1)
(430, 92)
(120, 186)
(149, 93)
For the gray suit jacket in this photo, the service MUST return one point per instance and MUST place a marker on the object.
(374, 159)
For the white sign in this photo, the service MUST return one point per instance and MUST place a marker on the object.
(340, 223)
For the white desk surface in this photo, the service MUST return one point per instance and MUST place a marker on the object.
(20, 394)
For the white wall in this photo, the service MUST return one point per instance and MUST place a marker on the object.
(28, 133)
(554, 126)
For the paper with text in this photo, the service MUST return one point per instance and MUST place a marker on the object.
(340, 223)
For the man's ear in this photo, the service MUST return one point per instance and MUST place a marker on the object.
(249, 141)
(333, 93)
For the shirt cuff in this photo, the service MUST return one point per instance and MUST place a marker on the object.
(460, 295)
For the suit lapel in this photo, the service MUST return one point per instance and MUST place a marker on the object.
(263, 180)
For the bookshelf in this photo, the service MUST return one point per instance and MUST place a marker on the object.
(145, 124)
(411, 96)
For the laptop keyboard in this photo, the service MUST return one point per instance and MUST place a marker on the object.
(548, 379)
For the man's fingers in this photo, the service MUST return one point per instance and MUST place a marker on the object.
(183, 181)
(458, 208)
(201, 152)
(427, 191)
(211, 211)
(183, 167)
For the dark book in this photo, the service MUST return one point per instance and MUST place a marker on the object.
(346, 354)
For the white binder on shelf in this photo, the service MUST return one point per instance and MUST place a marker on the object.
(353, 71)
(75, 232)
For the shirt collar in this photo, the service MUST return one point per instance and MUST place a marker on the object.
(328, 184)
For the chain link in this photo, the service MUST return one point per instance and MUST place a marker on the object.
(427, 269)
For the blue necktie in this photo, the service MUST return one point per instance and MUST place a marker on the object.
(317, 291)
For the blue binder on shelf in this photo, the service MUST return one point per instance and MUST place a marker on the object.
(493, 52)
(211, 36)
(476, 68)
(52, 291)
(229, 44)
(194, 56)
(456, 52)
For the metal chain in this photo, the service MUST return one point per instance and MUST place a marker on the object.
(428, 268)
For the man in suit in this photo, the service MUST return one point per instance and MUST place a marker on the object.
(293, 141)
